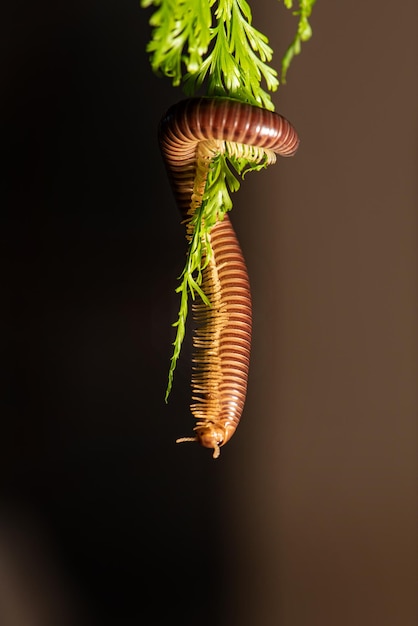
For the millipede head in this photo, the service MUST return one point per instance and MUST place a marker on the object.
(209, 435)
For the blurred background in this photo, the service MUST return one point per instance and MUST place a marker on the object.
(309, 517)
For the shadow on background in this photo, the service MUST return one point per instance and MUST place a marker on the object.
(309, 516)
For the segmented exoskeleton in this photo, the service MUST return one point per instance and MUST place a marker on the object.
(191, 134)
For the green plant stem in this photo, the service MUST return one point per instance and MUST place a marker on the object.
(211, 45)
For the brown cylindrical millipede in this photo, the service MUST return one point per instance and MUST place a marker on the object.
(191, 134)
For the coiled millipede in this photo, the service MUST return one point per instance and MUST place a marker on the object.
(191, 133)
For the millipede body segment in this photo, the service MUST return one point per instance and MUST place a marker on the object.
(191, 134)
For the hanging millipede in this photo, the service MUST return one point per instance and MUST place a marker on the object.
(191, 134)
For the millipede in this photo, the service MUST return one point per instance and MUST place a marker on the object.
(191, 134)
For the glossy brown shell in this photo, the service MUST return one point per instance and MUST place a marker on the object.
(194, 120)
(222, 337)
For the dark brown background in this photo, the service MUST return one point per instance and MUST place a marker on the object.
(309, 517)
